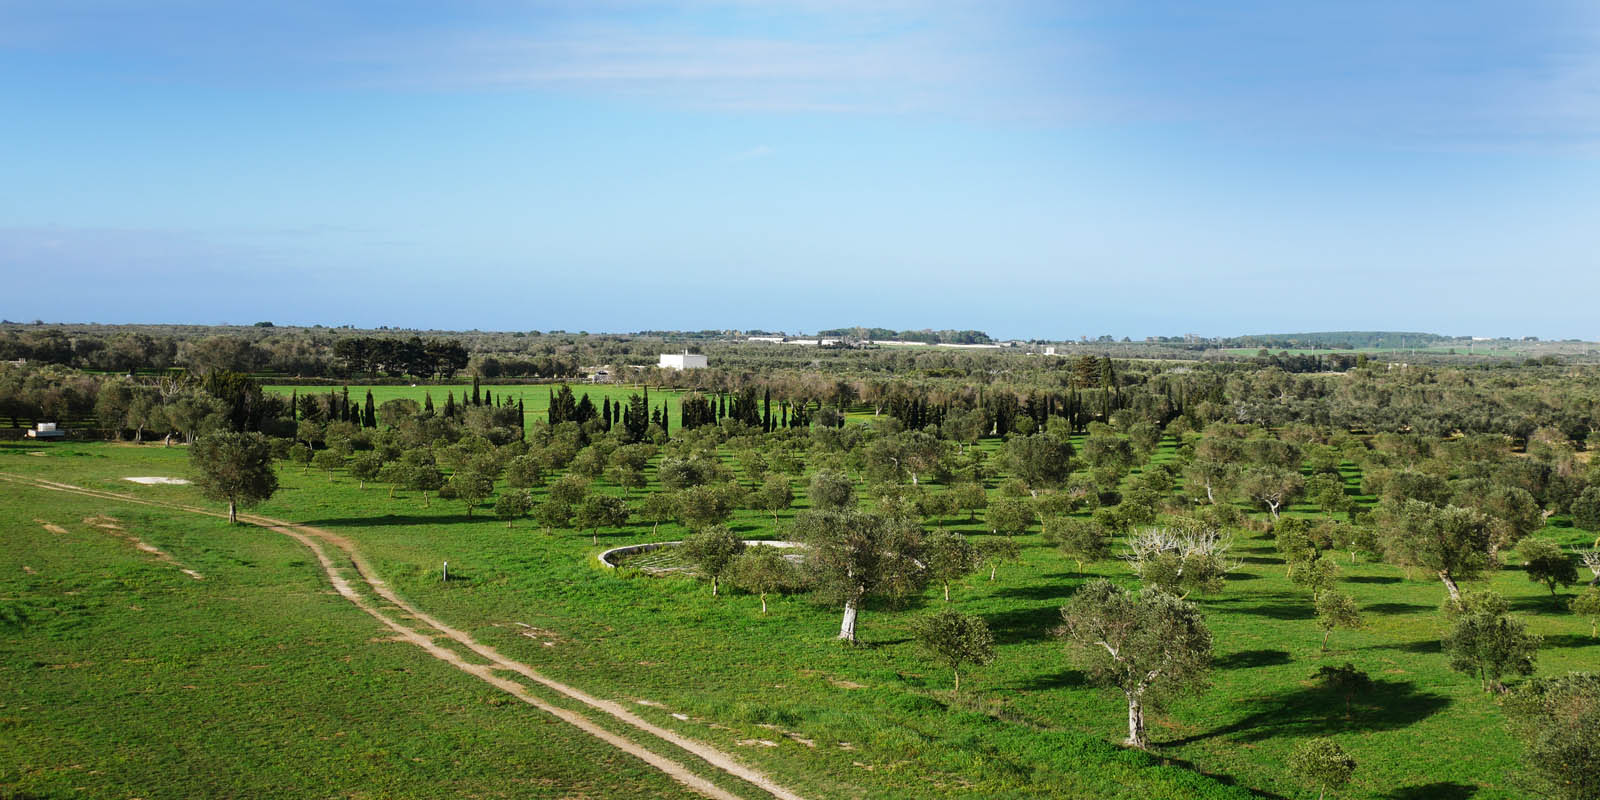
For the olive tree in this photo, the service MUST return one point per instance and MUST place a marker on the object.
(996, 549)
(852, 555)
(955, 639)
(1321, 763)
(1009, 515)
(1336, 610)
(1082, 540)
(1558, 721)
(1548, 564)
(235, 468)
(513, 505)
(1149, 645)
(658, 507)
(970, 497)
(701, 507)
(366, 467)
(598, 511)
(328, 461)
(1452, 542)
(1041, 461)
(1586, 510)
(712, 551)
(1272, 487)
(775, 495)
(949, 556)
(1587, 604)
(831, 490)
(1181, 561)
(763, 570)
(471, 487)
(1487, 642)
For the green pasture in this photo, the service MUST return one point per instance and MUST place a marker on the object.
(297, 689)
(535, 397)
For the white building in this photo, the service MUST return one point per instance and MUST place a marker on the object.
(684, 360)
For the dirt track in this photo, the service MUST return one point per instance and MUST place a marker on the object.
(314, 539)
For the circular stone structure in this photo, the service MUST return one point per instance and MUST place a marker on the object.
(609, 558)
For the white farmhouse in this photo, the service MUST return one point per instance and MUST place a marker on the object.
(684, 360)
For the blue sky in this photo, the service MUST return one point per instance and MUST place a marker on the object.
(1031, 169)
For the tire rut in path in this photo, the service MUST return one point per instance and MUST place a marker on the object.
(314, 538)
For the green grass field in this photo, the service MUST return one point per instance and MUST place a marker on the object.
(296, 692)
(535, 397)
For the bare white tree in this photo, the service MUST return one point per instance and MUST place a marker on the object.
(1591, 560)
(1181, 560)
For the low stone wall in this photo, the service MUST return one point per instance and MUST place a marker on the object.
(609, 557)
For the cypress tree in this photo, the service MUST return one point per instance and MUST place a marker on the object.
(550, 410)
(605, 413)
(449, 404)
(294, 405)
(664, 418)
(427, 401)
(477, 399)
(488, 398)
(766, 411)
(522, 422)
(371, 420)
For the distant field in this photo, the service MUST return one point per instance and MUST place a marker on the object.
(535, 398)
(1460, 350)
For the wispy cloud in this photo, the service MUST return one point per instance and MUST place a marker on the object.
(759, 151)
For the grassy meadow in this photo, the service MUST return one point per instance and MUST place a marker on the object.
(535, 397)
(121, 676)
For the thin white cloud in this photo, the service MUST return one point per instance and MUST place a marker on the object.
(759, 151)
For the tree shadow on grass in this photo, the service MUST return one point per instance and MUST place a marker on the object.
(1570, 640)
(1419, 646)
(1291, 608)
(1318, 712)
(1058, 591)
(1443, 790)
(1541, 604)
(1065, 679)
(1373, 579)
(1260, 560)
(1023, 624)
(1247, 659)
(1397, 608)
